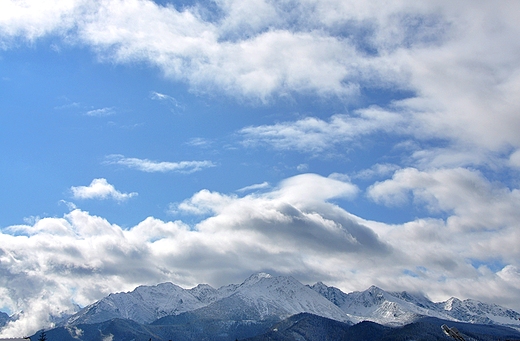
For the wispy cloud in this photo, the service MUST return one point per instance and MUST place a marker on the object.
(377, 170)
(100, 189)
(150, 166)
(254, 187)
(101, 112)
(199, 142)
(157, 96)
(312, 135)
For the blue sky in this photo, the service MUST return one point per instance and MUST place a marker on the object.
(350, 142)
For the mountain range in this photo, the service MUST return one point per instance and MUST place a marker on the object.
(266, 307)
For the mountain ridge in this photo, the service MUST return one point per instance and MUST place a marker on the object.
(251, 308)
(287, 296)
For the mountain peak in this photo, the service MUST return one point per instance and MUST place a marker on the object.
(320, 288)
(262, 297)
(255, 278)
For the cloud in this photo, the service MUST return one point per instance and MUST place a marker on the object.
(458, 62)
(263, 185)
(156, 96)
(199, 142)
(514, 159)
(153, 166)
(313, 135)
(100, 189)
(294, 228)
(376, 170)
(255, 59)
(101, 112)
(33, 20)
(474, 202)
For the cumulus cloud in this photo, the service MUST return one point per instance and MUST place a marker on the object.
(100, 189)
(474, 202)
(294, 228)
(149, 166)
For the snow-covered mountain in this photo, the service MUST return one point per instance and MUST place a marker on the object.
(283, 297)
(400, 308)
(377, 305)
(259, 297)
(144, 305)
(263, 297)
(477, 312)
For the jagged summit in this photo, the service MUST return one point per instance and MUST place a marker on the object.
(263, 297)
(255, 278)
(399, 308)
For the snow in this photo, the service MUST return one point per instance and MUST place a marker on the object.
(264, 296)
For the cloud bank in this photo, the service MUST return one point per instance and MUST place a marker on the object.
(294, 228)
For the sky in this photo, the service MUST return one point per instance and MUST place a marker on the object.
(355, 143)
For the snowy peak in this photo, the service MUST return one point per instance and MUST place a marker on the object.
(255, 278)
(417, 299)
(332, 294)
(205, 293)
(375, 304)
(286, 296)
(399, 308)
(263, 297)
(478, 312)
(144, 305)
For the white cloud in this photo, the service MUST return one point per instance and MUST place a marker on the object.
(101, 112)
(154, 166)
(290, 229)
(474, 202)
(458, 60)
(100, 189)
(314, 135)
(254, 187)
(379, 169)
(34, 19)
(157, 96)
(302, 167)
(199, 142)
(514, 159)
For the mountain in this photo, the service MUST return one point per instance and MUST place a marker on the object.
(251, 308)
(377, 305)
(265, 307)
(400, 308)
(477, 312)
(144, 305)
(260, 296)
(307, 327)
(283, 297)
